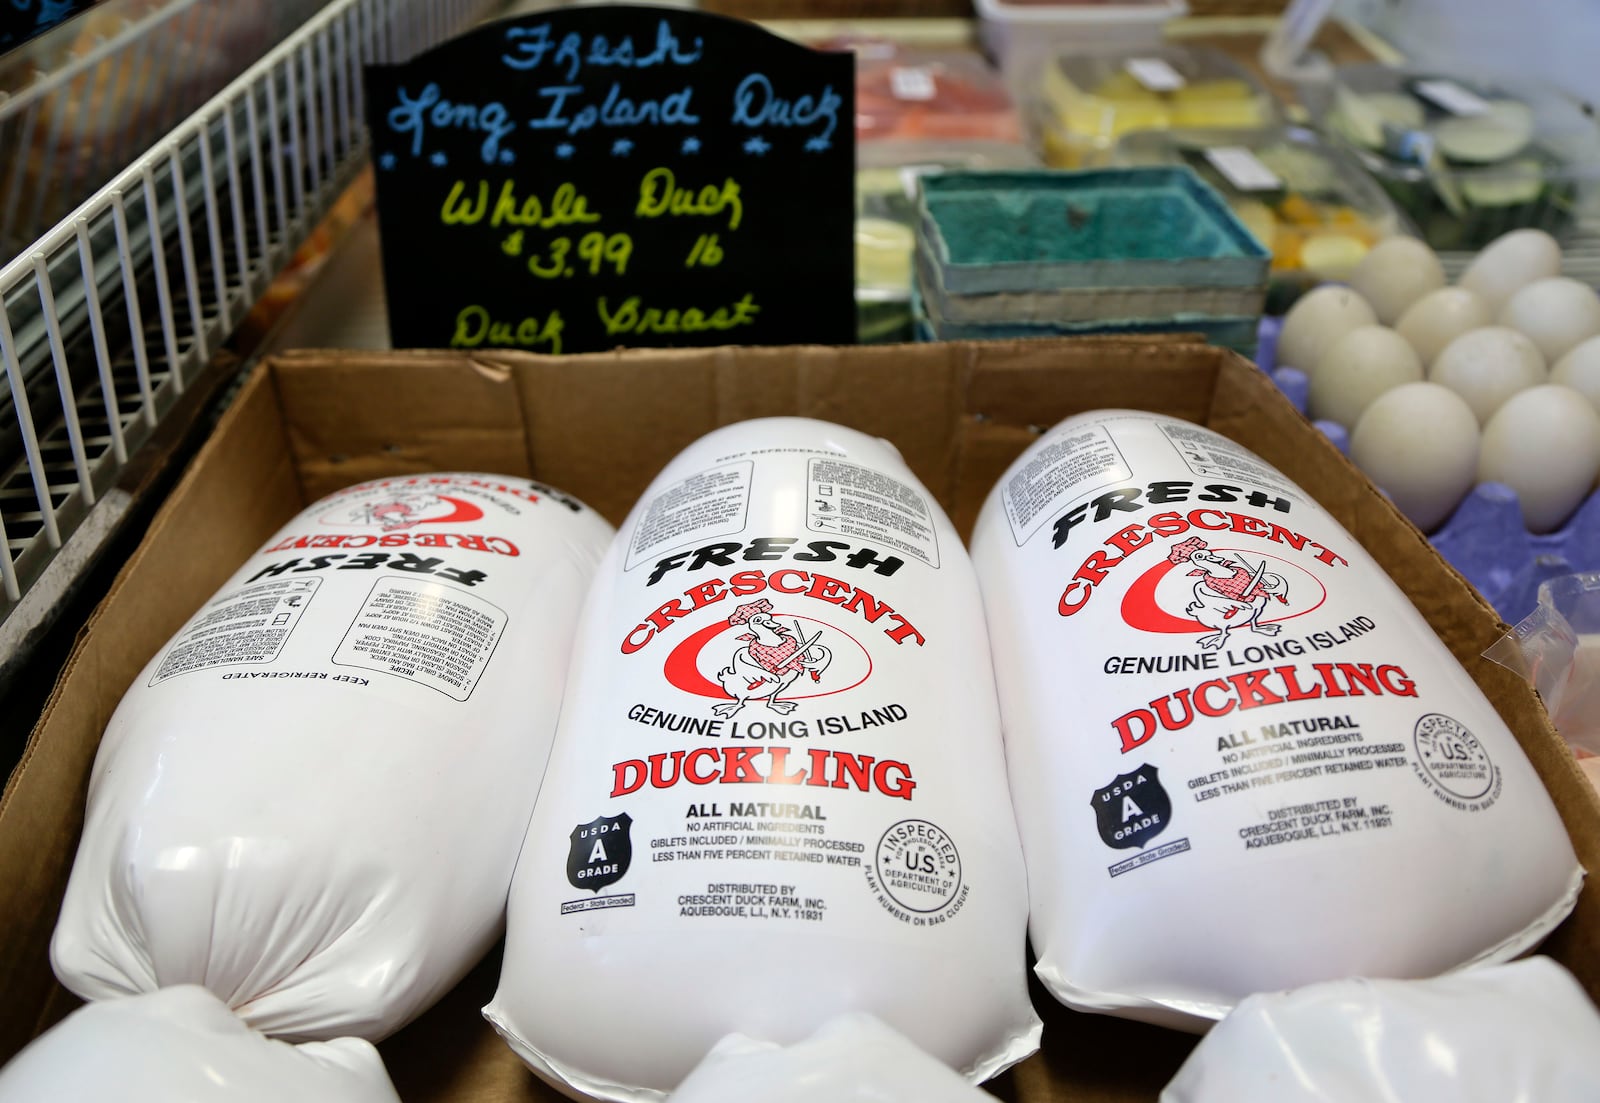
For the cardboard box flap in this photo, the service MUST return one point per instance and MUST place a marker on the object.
(354, 417)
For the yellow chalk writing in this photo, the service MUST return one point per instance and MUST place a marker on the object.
(468, 207)
(475, 327)
(659, 194)
(594, 247)
(632, 317)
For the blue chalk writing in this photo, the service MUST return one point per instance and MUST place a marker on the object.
(47, 15)
(674, 109)
(756, 104)
(529, 47)
(414, 115)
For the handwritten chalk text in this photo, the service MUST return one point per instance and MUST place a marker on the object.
(528, 47)
(475, 327)
(756, 104)
(567, 206)
(632, 317)
(659, 194)
(415, 114)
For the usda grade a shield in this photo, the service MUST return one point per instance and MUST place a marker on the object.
(778, 790)
(1240, 758)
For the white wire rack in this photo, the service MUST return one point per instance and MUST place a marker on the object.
(91, 95)
(106, 317)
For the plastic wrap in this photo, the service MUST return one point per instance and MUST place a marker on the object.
(778, 790)
(310, 801)
(852, 1059)
(1241, 759)
(183, 1044)
(1519, 1031)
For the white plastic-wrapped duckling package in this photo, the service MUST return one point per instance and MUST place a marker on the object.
(778, 788)
(312, 798)
(1241, 760)
(854, 1058)
(183, 1043)
(1525, 1030)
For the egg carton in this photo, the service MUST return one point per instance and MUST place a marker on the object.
(1485, 538)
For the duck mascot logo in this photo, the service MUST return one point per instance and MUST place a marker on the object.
(773, 656)
(1223, 591)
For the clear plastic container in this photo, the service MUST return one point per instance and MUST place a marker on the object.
(937, 95)
(1023, 35)
(1083, 103)
(1307, 201)
(1466, 159)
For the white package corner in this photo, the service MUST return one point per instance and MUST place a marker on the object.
(855, 1058)
(183, 1043)
(1525, 1030)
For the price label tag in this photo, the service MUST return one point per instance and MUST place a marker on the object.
(912, 82)
(1155, 74)
(591, 177)
(1451, 97)
(911, 174)
(1243, 169)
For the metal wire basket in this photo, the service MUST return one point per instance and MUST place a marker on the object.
(111, 312)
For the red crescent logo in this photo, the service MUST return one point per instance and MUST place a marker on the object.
(462, 513)
(683, 671)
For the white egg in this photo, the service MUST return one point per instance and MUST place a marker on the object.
(1426, 474)
(1487, 366)
(1439, 317)
(1316, 321)
(1544, 443)
(1580, 370)
(1558, 313)
(1509, 263)
(1359, 367)
(1396, 273)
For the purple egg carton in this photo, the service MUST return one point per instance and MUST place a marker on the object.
(1484, 538)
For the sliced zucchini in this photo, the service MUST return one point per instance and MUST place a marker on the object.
(1360, 117)
(1500, 134)
(1508, 185)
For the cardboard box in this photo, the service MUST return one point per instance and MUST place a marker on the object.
(601, 426)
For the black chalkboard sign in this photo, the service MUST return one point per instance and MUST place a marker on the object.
(596, 177)
(21, 20)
